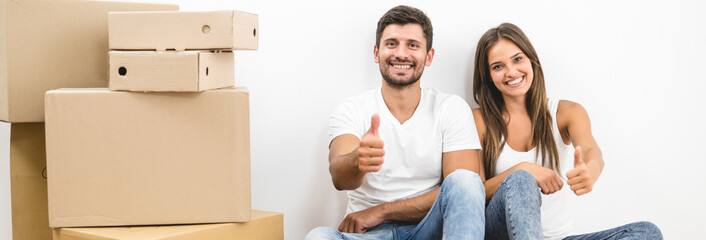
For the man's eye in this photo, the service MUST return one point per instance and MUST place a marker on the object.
(414, 45)
(391, 44)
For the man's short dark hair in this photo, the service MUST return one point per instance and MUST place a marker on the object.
(403, 15)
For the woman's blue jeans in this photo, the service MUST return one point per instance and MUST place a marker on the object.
(514, 213)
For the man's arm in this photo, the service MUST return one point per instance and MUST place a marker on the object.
(350, 158)
(411, 209)
(343, 163)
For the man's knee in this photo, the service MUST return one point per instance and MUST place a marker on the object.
(465, 181)
(323, 233)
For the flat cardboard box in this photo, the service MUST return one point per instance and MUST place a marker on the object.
(23, 187)
(49, 44)
(229, 30)
(118, 158)
(264, 226)
(170, 71)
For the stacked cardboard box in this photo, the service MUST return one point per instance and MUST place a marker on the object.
(169, 141)
(264, 225)
(44, 44)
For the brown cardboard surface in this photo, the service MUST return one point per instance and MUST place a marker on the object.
(264, 226)
(125, 158)
(4, 109)
(53, 44)
(182, 71)
(28, 187)
(183, 30)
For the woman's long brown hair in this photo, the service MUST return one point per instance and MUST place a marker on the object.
(492, 104)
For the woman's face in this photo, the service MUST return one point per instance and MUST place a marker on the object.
(510, 69)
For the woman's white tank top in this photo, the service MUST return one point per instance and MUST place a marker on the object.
(557, 218)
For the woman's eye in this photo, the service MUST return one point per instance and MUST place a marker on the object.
(496, 67)
(517, 59)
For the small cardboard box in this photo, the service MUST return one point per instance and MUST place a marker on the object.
(228, 30)
(264, 226)
(23, 186)
(118, 158)
(48, 44)
(170, 71)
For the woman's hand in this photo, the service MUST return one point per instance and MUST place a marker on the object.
(580, 178)
(546, 178)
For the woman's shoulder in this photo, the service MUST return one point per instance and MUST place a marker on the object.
(569, 111)
(567, 106)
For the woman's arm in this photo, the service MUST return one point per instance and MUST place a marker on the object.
(575, 126)
(546, 178)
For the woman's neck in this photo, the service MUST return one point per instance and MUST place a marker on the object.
(515, 105)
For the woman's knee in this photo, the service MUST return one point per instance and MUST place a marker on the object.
(649, 230)
(521, 179)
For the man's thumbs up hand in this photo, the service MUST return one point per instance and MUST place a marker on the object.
(580, 178)
(370, 151)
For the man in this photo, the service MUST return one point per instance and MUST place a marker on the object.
(392, 147)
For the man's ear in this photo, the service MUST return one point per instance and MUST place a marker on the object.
(430, 56)
(375, 54)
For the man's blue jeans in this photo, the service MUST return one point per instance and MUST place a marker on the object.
(457, 213)
(514, 213)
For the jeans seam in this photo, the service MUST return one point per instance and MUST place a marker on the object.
(421, 224)
(394, 231)
(616, 233)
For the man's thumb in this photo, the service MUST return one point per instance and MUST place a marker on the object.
(578, 160)
(374, 124)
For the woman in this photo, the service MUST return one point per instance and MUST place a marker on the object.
(527, 146)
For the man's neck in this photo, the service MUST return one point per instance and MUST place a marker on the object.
(401, 101)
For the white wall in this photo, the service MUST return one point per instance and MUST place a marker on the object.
(5, 198)
(636, 66)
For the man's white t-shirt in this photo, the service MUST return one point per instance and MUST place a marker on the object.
(412, 162)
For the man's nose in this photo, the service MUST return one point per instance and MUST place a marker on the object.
(401, 52)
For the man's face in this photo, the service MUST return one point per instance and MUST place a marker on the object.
(402, 54)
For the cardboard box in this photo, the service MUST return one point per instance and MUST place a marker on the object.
(49, 44)
(183, 30)
(125, 158)
(264, 226)
(170, 71)
(23, 187)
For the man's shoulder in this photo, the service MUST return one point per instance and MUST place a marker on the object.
(368, 95)
(358, 103)
(361, 100)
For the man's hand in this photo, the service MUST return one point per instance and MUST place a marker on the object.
(371, 150)
(580, 178)
(360, 222)
(546, 178)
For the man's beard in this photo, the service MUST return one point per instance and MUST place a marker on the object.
(384, 71)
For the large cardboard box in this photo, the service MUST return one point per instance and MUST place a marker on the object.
(23, 188)
(126, 158)
(183, 30)
(264, 226)
(170, 71)
(48, 44)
